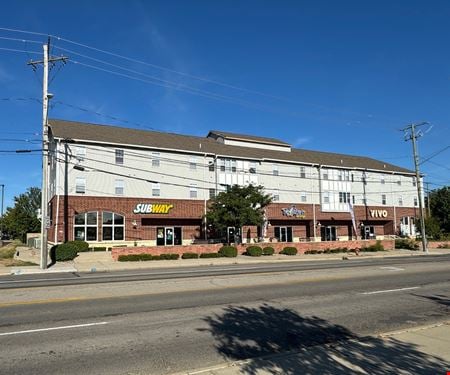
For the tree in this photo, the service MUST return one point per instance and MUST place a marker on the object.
(432, 228)
(22, 218)
(440, 207)
(237, 207)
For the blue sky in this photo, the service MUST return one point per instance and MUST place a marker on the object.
(323, 75)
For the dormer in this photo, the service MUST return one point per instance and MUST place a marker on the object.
(242, 140)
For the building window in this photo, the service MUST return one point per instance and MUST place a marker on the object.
(353, 199)
(383, 199)
(347, 175)
(382, 180)
(252, 167)
(326, 197)
(415, 202)
(325, 175)
(155, 159)
(193, 191)
(119, 187)
(400, 201)
(227, 165)
(275, 169)
(156, 189)
(193, 163)
(85, 226)
(340, 176)
(344, 197)
(414, 181)
(119, 156)
(211, 166)
(399, 182)
(80, 153)
(222, 165)
(80, 185)
(303, 196)
(212, 193)
(353, 177)
(276, 196)
(233, 166)
(283, 234)
(302, 172)
(168, 236)
(113, 227)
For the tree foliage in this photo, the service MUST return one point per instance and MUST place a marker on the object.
(440, 207)
(240, 205)
(22, 218)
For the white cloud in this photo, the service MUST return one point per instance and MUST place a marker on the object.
(301, 141)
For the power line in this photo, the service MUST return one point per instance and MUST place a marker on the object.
(435, 154)
(18, 50)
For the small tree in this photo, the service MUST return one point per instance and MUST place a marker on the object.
(240, 205)
(22, 218)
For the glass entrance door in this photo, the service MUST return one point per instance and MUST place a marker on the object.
(169, 236)
(328, 233)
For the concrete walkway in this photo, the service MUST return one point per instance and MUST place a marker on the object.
(423, 350)
(103, 262)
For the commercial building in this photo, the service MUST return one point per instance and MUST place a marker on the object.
(114, 185)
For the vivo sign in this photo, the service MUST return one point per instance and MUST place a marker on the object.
(378, 213)
(152, 208)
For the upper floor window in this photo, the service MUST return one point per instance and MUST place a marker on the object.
(399, 181)
(156, 189)
(193, 191)
(414, 181)
(382, 180)
(400, 201)
(276, 196)
(119, 156)
(340, 175)
(80, 185)
(275, 169)
(303, 197)
(325, 175)
(80, 152)
(383, 199)
(222, 165)
(233, 166)
(252, 167)
(344, 197)
(211, 166)
(415, 202)
(212, 193)
(119, 187)
(156, 159)
(326, 197)
(302, 172)
(193, 162)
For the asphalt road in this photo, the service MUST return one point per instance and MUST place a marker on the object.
(178, 322)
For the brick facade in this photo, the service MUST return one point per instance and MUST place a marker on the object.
(188, 215)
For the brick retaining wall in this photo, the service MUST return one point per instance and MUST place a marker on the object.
(436, 244)
(278, 246)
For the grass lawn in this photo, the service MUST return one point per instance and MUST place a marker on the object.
(7, 256)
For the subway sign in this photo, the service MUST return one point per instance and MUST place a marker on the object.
(152, 208)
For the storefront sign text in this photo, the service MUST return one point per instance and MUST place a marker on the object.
(378, 213)
(293, 212)
(152, 208)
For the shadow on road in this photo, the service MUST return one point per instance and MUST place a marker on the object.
(243, 332)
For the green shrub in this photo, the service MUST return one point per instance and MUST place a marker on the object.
(254, 251)
(406, 243)
(82, 246)
(143, 257)
(374, 248)
(65, 251)
(268, 250)
(189, 256)
(99, 248)
(312, 252)
(289, 250)
(169, 256)
(210, 255)
(228, 251)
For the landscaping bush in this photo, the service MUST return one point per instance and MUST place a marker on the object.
(210, 255)
(228, 251)
(289, 250)
(312, 252)
(254, 251)
(167, 256)
(65, 251)
(373, 248)
(406, 243)
(143, 257)
(99, 248)
(81, 246)
(189, 256)
(268, 250)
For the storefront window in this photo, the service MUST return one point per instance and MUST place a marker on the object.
(168, 236)
(85, 228)
(283, 234)
(113, 226)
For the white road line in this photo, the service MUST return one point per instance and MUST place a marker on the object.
(392, 268)
(390, 290)
(53, 328)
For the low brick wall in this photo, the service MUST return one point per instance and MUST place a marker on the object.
(437, 244)
(278, 246)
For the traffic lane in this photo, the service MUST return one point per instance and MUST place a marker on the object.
(60, 279)
(213, 291)
(170, 338)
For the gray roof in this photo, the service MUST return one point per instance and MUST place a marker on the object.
(247, 138)
(107, 134)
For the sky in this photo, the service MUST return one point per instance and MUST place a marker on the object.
(337, 76)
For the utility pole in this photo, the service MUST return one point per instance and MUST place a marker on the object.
(3, 197)
(46, 96)
(411, 135)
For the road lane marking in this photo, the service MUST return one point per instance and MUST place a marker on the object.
(42, 301)
(391, 290)
(53, 328)
(392, 268)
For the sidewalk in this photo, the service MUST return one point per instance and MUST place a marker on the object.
(424, 350)
(103, 262)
